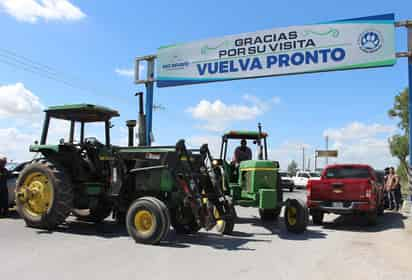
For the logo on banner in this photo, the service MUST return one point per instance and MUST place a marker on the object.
(370, 41)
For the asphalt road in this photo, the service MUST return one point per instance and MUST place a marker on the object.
(340, 249)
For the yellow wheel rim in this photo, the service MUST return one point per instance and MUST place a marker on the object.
(220, 224)
(38, 194)
(292, 216)
(143, 221)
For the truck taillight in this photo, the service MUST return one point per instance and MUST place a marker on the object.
(368, 193)
(368, 190)
(309, 189)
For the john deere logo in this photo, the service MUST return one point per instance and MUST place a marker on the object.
(370, 41)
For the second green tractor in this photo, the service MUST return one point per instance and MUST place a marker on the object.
(256, 182)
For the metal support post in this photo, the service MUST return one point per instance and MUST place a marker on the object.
(149, 83)
(408, 25)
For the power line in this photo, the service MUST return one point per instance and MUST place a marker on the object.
(26, 64)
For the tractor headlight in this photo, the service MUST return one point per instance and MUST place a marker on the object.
(215, 162)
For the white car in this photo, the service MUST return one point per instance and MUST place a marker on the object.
(286, 181)
(302, 177)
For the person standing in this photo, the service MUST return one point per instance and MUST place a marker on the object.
(390, 187)
(4, 194)
(398, 192)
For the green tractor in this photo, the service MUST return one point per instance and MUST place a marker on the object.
(148, 188)
(256, 183)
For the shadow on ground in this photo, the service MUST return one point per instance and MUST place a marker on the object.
(278, 228)
(235, 242)
(110, 229)
(13, 214)
(390, 220)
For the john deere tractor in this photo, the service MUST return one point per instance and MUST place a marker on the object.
(149, 188)
(256, 182)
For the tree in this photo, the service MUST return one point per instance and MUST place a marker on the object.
(400, 110)
(399, 143)
(293, 168)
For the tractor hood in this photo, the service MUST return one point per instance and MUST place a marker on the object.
(259, 165)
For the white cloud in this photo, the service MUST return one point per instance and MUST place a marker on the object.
(127, 72)
(219, 115)
(357, 130)
(14, 144)
(19, 102)
(32, 10)
(361, 143)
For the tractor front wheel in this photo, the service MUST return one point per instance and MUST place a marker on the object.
(296, 216)
(183, 220)
(226, 225)
(44, 195)
(146, 221)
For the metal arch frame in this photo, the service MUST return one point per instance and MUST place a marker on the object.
(408, 25)
(150, 80)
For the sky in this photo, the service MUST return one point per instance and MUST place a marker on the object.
(57, 52)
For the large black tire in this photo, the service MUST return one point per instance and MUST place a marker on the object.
(268, 215)
(296, 216)
(227, 225)
(96, 214)
(317, 217)
(60, 193)
(183, 221)
(166, 214)
(381, 209)
(372, 218)
(146, 221)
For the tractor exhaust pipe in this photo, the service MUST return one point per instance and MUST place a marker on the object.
(260, 153)
(142, 121)
(131, 124)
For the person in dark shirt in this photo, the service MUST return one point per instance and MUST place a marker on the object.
(4, 194)
(243, 152)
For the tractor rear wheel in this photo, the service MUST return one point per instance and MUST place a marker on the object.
(269, 214)
(44, 195)
(183, 221)
(296, 216)
(146, 221)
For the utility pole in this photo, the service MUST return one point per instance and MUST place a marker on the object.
(309, 164)
(327, 147)
(303, 158)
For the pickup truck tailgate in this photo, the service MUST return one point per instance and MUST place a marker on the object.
(339, 189)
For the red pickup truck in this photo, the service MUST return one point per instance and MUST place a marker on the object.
(346, 189)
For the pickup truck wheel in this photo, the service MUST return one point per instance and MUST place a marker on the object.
(317, 218)
(381, 209)
(296, 216)
(269, 214)
(372, 218)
